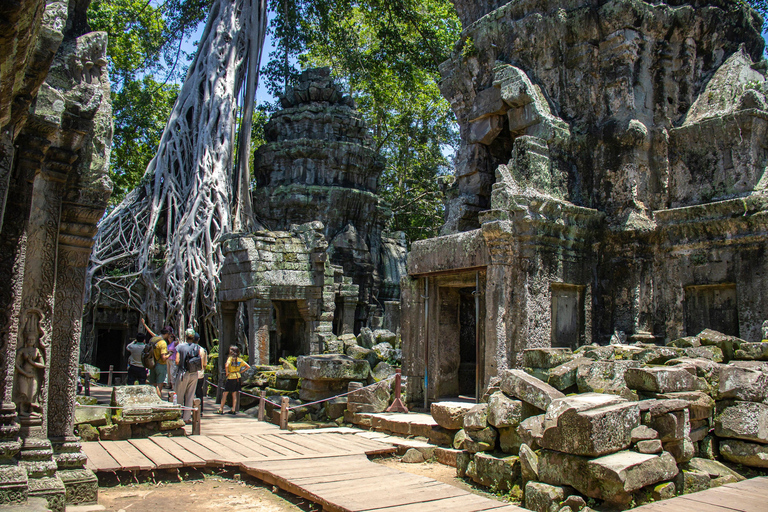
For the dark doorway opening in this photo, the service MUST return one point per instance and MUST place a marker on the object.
(467, 342)
(338, 317)
(567, 315)
(290, 331)
(110, 350)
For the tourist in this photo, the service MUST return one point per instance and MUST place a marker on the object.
(136, 370)
(234, 366)
(201, 387)
(172, 357)
(189, 359)
(159, 373)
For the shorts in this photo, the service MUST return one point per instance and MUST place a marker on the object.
(232, 385)
(136, 373)
(158, 374)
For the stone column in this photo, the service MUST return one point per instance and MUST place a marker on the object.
(33, 353)
(260, 318)
(78, 226)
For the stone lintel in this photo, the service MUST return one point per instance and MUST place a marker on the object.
(460, 251)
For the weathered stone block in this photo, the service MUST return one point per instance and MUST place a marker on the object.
(546, 357)
(441, 436)
(682, 450)
(480, 440)
(476, 418)
(500, 472)
(541, 497)
(529, 464)
(742, 383)
(517, 383)
(564, 376)
(530, 430)
(649, 446)
(606, 377)
(710, 352)
(509, 440)
(753, 351)
(688, 481)
(741, 452)
(663, 491)
(332, 367)
(96, 416)
(643, 433)
(571, 427)
(742, 420)
(728, 344)
(375, 397)
(504, 411)
(450, 415)
(485, 130)
(662, 379)
(713, 468)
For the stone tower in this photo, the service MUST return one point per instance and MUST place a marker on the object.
(319, 164)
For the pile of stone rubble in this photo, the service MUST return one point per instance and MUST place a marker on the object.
(618, 425)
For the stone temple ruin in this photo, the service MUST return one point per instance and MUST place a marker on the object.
(55, 135)
(610, 181)
(325, 267)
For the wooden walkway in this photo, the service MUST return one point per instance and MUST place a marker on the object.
(745, 496)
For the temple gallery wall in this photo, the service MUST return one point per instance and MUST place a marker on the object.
(610, 183)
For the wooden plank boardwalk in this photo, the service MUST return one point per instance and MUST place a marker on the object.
(745, 496)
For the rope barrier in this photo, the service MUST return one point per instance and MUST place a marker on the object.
(149, 407)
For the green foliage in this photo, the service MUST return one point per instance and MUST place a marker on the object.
(145, 62)
(386, 53)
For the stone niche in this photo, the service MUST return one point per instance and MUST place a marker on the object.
(610, 179)
(55, 135)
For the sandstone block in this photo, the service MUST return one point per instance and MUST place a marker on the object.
(590, 432)
(485, 130)
(541, 497)
(413, 456)
(447, 456)
(382, 371)
(463, 460)
(700, 405)
(741, 452)
(649, 446)
(546, 357)
(375, 397)
(529, 464)
(441, 436)
(686, 342)
(663, 491)
(450, 415)
(332, 367)
(681, 449)
(606, 377)
(643, 433)
(363, 354)
(476, 418)
(504, 411)
(713, 468)
(742, 420)
(657, 355)
(509, 440)
(96, 416)
(711, 352)
(728, 344)
(670, 425)
(564, 376)
(688, 481)
(530, 430)
(383, 350)
(611, 477)
(662, 379)
(517, 383)
(501, 472)
(742, 383)
(753, 351)
(480, 440)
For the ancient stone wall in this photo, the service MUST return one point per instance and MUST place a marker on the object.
(56, 127)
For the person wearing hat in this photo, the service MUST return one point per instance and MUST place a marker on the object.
(159, 373)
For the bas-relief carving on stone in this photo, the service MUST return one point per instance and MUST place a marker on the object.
(611, 155)
(56, 130)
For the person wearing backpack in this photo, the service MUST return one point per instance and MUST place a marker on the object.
(136, 370)
(200, 389)
(190, 358)
(158, 371)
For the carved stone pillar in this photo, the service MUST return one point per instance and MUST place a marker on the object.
(260, 318)
(76, 231)
(33, 353)
(228, 333)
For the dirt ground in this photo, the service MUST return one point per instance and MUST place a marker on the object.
(198, 492)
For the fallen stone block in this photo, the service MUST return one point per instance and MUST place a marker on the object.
(500, 472)
(413, 456)
(596, 352)
(671, 426)
(685, 342)
(657, 355)
(713, 468)
(540, 497)
(742, 420)
(450, 415)
(649, 446)
(564, 376)
(504, 411)
(742, 452)
(480, 440)
(681, 449)
(643, 433)
(546, 357)
(530, 430)
(518, 384)
(96, 416)
(728, 344)
(663, 379)
(476, 418)
(332, 367)
(742, 383)
(757, 351)
(441, 436)
(592, 424)
(611, 477)
(701, 406)
(689, 481)
(529, 464)
(493, 386)
(606, 377)
(463, 460)
(538, 373)
(663, 491)
(711, 352)
(447, 456)
(509, 440)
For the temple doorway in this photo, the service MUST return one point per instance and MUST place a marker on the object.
(467, 342)
(290, 336)
(110, 350)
